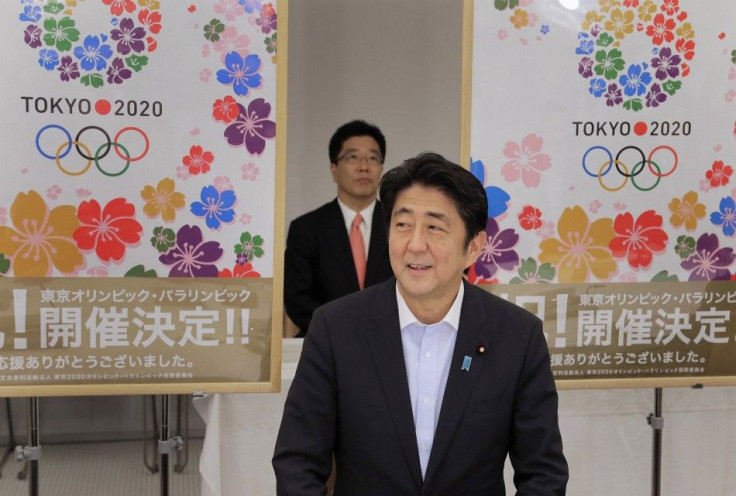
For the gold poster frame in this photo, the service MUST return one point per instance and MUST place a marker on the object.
(465, 156)
(273, 384)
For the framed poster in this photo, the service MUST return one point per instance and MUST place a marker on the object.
(141, 215)
(604, 133)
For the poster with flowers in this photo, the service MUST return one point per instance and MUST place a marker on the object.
(140, 139)
(604, 132)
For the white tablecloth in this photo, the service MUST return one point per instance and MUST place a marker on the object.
(607, 440)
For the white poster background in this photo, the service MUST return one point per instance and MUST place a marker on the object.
(526, 81)
(181, 74)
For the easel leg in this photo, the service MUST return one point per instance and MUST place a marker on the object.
(657, 422)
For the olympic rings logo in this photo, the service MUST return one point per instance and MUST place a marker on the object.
(84, 151)
(646, 162)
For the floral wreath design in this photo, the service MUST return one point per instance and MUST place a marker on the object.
(91, 58)
(633, 85)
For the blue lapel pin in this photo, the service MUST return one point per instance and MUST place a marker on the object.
(466, 363)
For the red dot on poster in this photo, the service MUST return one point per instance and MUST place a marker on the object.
(102, 106)
(640, 128)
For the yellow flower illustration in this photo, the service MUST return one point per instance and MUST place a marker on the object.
(41, 239)
(686, 31)
(607, 5)
(582, 248)
(591, 18)
(647, 10)
(520, 18)
(151, 4)
(620, 23)
(162, 200)
(686, 211)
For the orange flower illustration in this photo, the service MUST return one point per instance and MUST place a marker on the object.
(42, 239)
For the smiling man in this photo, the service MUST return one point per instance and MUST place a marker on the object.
(340, 247)
(424, 384)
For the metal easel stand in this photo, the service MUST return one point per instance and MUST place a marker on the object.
(153, 466)
(10, 448)
(656, 420)
(31, 453)
(166, 445)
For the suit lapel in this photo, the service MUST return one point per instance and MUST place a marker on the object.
(384, 341)
(460, 383)
(339, 242)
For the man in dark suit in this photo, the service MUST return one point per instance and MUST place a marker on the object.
(319, 264)
(422, 385)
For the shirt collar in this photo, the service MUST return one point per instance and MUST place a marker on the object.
(349, 214)
(407, 318)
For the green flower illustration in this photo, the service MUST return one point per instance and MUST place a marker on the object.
(250, 246)
(530, 273)
(609, 63)
(685, 246)
(61, 34)
(4, 264)
(213, 29)
(664, 276)
(163, 238)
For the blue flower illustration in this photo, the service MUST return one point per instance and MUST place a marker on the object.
(726, 218)
(93, 54)
(31, 13)
(48, 59)
(215, 207)
(586, 46)
(597, 87)
(636, 80)
(251, 6)
(497, 198)
(241, 72)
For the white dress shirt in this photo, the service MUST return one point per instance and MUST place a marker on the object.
(427, 355)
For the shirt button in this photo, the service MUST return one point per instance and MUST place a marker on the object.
(426, 400)
(428, 354)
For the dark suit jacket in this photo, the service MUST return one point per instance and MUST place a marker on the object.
(350, 396)
(318, 265)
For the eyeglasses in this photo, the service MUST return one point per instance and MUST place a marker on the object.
(352, 158)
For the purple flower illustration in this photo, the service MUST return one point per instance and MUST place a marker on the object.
(241, 72)
(498, 251)
(655, 96)
(709, 262)
(117, 72)
(251, 127)
(68, 68)
(585, 67)
(192, 257)
(667, 64)
(129, 37)
(267, 22)
(613, 95)
(32, 36)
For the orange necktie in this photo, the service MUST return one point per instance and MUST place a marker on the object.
(358, 248)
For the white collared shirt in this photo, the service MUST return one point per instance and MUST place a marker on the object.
(348, 214)
(427, 354)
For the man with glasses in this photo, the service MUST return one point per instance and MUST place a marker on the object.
(341, 247)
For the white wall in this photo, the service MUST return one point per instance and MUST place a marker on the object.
(394, 63)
